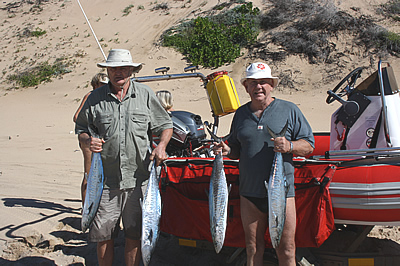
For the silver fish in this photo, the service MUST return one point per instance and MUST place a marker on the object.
(151, 213)
(218, 203)
(276, 188)
(94, 191)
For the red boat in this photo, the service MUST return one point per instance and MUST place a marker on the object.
(366, 190)
(352, 179)
(365, 139)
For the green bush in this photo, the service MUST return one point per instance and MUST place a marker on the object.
(391, 41)
(38, 74)
(38, 32)
(127, 10)
(205, 44)
(216, 40)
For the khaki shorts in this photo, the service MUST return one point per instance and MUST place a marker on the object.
(114, 205)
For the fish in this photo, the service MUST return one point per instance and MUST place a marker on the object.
(151, 214)
(218, 203)
(94, 190)
(276, 188)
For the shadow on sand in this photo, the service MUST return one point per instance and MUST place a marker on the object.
(74, 243)
(37, 204)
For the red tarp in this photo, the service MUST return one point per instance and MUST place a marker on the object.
(184, 188)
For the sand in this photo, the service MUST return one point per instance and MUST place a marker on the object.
(41, 165)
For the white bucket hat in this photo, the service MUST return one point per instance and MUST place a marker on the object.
(259, 71)
(120, 58)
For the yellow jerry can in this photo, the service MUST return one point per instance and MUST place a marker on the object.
(222, 93)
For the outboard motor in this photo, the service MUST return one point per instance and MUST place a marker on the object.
(187, 136)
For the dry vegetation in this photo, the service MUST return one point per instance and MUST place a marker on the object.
(318, 31)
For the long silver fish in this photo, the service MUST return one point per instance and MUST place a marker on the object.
(151, 213)
(94, 191)
(276, 188)
(218, 203)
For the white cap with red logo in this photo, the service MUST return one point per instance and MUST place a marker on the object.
(259, 71)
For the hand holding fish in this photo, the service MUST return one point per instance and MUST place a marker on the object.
(282, 145)
(299, 147)
(159, 155)
(96, 144)
(221, 147)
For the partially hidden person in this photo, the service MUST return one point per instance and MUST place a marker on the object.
(166, 99)
(97, 81)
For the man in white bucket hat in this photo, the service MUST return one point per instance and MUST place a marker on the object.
(120, 58)
(251, 142)
(118, 120)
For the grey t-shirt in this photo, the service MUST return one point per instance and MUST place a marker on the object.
(250, 136)
(127, 127)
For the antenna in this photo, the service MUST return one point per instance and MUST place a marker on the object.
(90, 26)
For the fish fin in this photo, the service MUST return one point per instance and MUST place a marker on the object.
(151, 236)
(266, 184)
(90, 207)
(158, 173)
(286, 187)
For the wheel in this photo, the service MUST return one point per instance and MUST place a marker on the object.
(349, 81)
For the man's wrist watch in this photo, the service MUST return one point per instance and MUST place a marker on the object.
(291, 147)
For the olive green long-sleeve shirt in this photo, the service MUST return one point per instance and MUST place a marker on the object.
(127, 127)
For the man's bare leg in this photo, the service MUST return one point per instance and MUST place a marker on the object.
(132, 252)
(105, 252)
(254, 224)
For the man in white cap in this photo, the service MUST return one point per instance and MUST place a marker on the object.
(250, 141)
(118, 120)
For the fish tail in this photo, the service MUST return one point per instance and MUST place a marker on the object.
(280, 134)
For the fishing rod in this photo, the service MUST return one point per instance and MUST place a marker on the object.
(95, 37)
(90, 26)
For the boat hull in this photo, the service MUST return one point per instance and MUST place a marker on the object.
(366, 194)
(364, 191)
